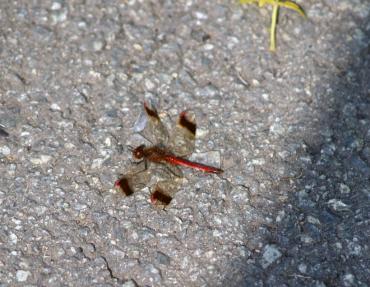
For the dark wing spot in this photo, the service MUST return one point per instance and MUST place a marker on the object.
(124, 186)
(159, 195)
(151, 112)
(186, 123)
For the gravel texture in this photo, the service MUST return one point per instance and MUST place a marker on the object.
(291, 129)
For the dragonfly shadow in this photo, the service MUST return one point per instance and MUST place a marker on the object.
(320, 238)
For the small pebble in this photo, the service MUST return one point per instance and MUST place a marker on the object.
(302, 268)
(130, 283)
(201, 15)
(258, 161)
(163, 258)
(41, 160)
(313, 220)
(344, 188)
(270, 255)
(13, 238)
(348, 280)
(22, 275)
(97, 163)
(98, 45)
(55, 107)
(4, 150)
(337, 205)
(55, 6)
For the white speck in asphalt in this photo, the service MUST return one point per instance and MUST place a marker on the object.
(55, 107)
(97, 163)
(5, 150)
(13, 238)
(22, 275)
(41, 160)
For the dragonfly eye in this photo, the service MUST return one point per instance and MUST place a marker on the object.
(138, 152)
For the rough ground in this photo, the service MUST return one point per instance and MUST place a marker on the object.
(292, 129)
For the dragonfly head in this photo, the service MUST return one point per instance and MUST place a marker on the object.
(138, 152)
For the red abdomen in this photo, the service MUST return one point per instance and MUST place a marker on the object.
(195, 165)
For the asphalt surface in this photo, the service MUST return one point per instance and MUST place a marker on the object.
(290, 129)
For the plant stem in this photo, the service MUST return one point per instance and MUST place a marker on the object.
(275, 12)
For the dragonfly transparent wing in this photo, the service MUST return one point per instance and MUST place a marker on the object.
(174, 170)
(154, 130)
(182, 141)
(130, 183)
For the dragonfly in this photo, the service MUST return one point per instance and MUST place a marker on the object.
(167, 152)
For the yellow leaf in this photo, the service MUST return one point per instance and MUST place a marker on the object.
(293, 6)
(275, 11)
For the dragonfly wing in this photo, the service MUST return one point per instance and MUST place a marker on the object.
(154, 131)
(130, 183)
(182, 140)
(163, 192)
(175, 170)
